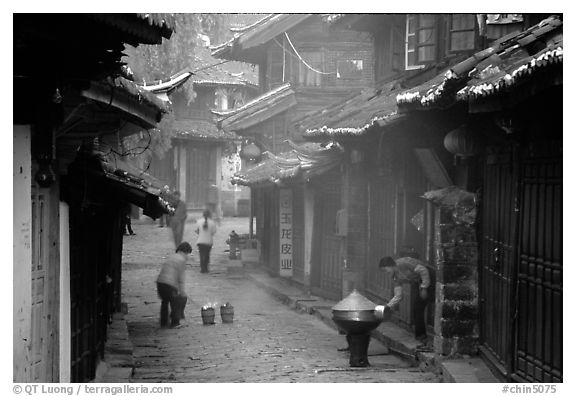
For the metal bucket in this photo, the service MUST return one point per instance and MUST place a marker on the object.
(208, 315)
(227, 313)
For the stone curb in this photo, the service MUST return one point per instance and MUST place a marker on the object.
(398, 340)
(118, 363)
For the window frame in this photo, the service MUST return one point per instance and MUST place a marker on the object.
(450, 31)
(419, 64)
(357, 76)
(298, 66)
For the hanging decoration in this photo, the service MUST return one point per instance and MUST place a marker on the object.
(250, 151)
(463, 142)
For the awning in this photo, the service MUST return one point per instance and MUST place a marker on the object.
(201, 130)
(499, 66)
(100, 178)
(299, 164)
(353, 117)
(258, 109)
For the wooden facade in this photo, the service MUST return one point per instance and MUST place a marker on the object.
(508, 279)
(321, 65)
(329, 52)
(497, 269)
(267, 222)
(326, 273)
(521, 252)
(95, 279)
(193, 165)
(56, 110)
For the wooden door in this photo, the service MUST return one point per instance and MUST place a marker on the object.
(200, 175)
(538, 348)
(498, 257)
(381, 220)
(40, 259)
(327, 276)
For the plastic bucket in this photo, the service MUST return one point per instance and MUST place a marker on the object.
(227, 313)
(208, 315)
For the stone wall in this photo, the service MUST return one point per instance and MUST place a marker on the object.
(456, 322)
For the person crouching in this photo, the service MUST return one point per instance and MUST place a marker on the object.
(171, 284)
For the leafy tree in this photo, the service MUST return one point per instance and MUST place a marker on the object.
(151, 63)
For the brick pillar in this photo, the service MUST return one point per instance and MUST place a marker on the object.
(456, 317)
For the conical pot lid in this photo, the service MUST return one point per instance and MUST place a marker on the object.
(354, 302)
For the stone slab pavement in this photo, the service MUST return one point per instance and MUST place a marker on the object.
(275, 344)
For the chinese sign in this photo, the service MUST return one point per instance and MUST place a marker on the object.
(286, 232)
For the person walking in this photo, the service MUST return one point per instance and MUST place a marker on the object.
(126, 213)
(205, 228)
(171, 283)
(178, 220)
(410, 270)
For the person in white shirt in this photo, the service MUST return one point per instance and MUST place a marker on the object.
(205, 228)
(410, 270)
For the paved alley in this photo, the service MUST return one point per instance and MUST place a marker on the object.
(268, 342)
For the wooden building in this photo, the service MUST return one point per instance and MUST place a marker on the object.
(512, 155)
(285, 189)
(464, 168)
(68, 233)
(200, 152)
(303, 65)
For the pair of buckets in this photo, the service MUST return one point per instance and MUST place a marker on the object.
(226, 313)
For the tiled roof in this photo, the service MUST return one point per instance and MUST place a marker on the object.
(128, 177)
(169, 84)
(443, 89)
(258, 109)
(149, 28)
(211, 71)
(353, 116)
(139, 93)
(201, 130)
(256, 34)
(503, 76)
(125, 95)
(302, 162)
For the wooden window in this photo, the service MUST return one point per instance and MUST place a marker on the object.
(349, 68)
(306, 76)
(421, 40)
(462, 32)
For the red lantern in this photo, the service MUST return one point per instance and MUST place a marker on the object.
(462, 142)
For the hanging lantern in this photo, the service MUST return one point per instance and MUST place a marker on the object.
(462, 142)
(250, 151)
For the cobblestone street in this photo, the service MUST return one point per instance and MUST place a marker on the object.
(267, 342)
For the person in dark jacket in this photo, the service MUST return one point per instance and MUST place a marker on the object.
(127, 220)
(410, 270)
(178, 220)
(171, 284)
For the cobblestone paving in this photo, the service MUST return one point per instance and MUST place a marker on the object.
(267, 342)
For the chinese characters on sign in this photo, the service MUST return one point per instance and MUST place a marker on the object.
(285, 232)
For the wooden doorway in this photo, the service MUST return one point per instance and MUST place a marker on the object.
(521, 262)
(326, 271)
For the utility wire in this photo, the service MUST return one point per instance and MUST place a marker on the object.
(302, 60)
